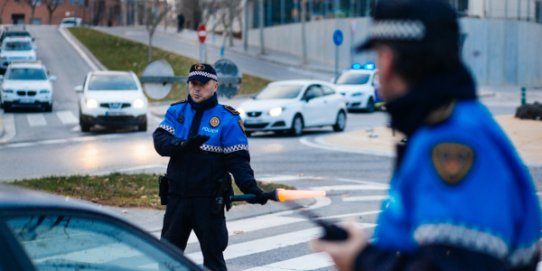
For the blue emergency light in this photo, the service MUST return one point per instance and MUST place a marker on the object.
(367, 66)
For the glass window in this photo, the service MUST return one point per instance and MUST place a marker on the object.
(57, 242)
(328, 90)
(26, 74)
(17, 46)
(279, 92)
(314, 91)
(353, 78)
(112, 82)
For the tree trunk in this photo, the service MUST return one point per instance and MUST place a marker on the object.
(150, 47)
(50, 17)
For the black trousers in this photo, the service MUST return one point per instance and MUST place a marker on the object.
(208, 222)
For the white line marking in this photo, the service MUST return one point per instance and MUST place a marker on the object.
(70, 40)
(307, 262)
(9, 128)
(67, 117)
(366, 198)
(35, 120)
(350, 187)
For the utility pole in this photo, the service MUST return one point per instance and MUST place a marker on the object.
(245, 25)
(261, 20)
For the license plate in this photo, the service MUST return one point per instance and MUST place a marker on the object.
(26, 100)
(253, 121)
(114, 113)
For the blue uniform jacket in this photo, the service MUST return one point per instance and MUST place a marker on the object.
(195, 173)
(490, 207)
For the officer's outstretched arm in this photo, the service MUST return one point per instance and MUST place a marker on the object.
(165, 143)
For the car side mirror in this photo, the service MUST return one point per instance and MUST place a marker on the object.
(78, 89)
(52, 77)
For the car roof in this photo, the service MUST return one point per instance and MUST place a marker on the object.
(364, 71)
(17, 38)
(26, 64)
(110, 72)
(12, 197)
(300, 82)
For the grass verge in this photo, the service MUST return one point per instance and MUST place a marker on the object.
(116, 189)
(117, 53)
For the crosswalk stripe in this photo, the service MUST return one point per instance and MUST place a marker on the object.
(268, 243)
(307, 262)
(36, 120)
(366, 198)
(350, 187)
(67, 117)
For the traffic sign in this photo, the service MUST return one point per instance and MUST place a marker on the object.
(338, 37)
(229, 77)
(202, 33)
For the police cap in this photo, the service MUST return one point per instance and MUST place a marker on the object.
(202, 72)
(427, 22)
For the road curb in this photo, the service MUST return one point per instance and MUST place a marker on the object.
(82, 50)
(1, 124)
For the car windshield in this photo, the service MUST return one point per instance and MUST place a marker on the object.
(279, 92)
(112, 82)
(68, 21)
(353, 78)
(17, 46)
(18, 34)
(26, 74)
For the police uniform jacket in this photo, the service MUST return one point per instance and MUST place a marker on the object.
(460, 197)
(194, 173)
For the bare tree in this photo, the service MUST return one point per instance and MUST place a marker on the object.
(2, 7)
(33, 4)
(51, 6)
(154, 15)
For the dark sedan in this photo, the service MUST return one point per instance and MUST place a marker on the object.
(40, 231)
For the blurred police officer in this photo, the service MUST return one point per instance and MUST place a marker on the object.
(204, 140)
(460, 197)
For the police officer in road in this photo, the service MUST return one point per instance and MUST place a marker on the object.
(460, 197)
(205, 142)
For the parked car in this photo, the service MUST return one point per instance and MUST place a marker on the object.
(294, 105)
(359, 86)
(26, 84)
(112, 99)
(16, 49)
(13, 33)
(40, 231)
(70, 22)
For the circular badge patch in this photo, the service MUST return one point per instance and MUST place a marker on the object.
(214, 122)
(199, 67)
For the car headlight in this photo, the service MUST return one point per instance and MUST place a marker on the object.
(357, 94)
(275, 112)
(8, 91)
(139, 103)
(91, 103)
(44, 91)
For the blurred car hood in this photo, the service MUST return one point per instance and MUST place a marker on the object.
(26, 84)
(353, 88)
(114, 95)
(263, 105)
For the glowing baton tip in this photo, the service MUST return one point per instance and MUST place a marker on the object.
(285, 195)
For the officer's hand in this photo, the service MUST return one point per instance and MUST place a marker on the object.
(260, 198)
(344, 252)
(194, 143)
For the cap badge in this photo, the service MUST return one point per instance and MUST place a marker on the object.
(214, 122)
(199, 67)
(452, 161)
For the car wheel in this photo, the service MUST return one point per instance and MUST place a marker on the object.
(49, 108)
(7, 107)
(370, 106)
(297, 126)
(142, 125)
(340, 122)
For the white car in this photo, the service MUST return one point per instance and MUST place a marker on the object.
(70, 22)
(27, 84)
(16, 49)
(359, 87)
(112, 99)
(294, 105)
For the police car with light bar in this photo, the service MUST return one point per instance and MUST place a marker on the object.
(359, 86)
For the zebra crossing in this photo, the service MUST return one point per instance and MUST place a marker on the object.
(65, 117)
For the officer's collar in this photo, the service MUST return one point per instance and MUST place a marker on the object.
(207, 104)
(435, 94)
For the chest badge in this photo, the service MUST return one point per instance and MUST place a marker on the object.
(214, 122)
(180, 119)
(452, 161)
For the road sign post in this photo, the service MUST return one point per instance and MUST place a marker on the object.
(202, 35)
(338, 40)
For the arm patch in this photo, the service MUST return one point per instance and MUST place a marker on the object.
(452, 161)
(231, 110)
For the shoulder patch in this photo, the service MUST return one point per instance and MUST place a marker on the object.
(179, 102)
(452, 161)
(231, 109)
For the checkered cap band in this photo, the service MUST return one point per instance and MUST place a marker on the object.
(397, 30)
(204, 74)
